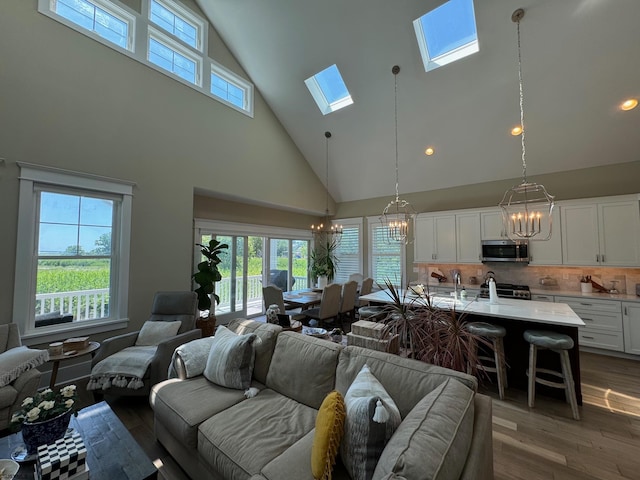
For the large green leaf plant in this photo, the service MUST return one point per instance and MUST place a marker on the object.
(208, 273)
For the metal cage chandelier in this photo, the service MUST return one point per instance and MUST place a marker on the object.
(526, 208)
(398, 216)
(327, 229)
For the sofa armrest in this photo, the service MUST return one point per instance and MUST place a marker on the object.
(26, 385)
(479, 464)
(160, 363)
(112, 345)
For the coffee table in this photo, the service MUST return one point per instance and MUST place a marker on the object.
(112, 453)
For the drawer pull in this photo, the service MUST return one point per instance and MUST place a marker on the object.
(586, 304)
(588, 338)
(587, 319)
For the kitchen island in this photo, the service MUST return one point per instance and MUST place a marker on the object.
(516, 316)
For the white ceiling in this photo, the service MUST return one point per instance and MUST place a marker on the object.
(579, 60)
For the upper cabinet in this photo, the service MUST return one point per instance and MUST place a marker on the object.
(606, 233)
(491, 225)
(468, 237)
(435, 239)
(548, 252)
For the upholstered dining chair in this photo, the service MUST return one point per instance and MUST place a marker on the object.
(272, 294)
(357, 277)
(118, 367)
(348, 302)
(329, 309)
(365, 289)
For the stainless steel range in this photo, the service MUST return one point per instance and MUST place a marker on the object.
(507, 290)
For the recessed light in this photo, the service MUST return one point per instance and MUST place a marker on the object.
(517, 130)
(429, 151)
(629, 104)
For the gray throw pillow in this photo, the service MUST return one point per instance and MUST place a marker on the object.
(154, 332)
(230, 362)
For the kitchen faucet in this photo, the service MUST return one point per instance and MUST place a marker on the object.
(456, 282)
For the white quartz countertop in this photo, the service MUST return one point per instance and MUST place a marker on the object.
(531, 311)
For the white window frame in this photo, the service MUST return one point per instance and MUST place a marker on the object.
(140, 27)
(236, 81)
(186, 14)
(122, 12)
(321, 100)
(373, 222)
(353, 223)
(32, 176)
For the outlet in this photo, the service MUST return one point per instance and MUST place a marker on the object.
(565, 276)
(479, 271)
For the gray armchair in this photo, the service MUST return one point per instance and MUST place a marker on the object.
(25, 385)
(167, 307)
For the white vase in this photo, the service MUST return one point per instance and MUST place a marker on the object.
(322, 281)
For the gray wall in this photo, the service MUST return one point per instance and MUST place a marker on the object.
(70, 102)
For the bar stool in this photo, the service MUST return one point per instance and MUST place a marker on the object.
(370, 313)
(497, 364)
(559, 343)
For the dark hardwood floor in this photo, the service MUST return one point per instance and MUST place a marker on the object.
(541, 443)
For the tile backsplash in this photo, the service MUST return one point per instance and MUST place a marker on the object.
(568, 278)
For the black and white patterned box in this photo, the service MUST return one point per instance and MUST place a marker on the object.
(63, 459)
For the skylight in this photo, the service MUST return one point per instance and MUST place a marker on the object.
(329, 90)
(447, 33)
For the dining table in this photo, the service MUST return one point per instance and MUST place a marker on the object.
(304, 298)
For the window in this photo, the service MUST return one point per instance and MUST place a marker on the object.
(386, 260)
(447, 33)
(101, 18)
(168, 54)
(349, 251)
(230, 88)
(329, 90)
(78, 226)
(177, 21)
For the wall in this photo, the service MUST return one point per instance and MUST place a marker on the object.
(70, 102)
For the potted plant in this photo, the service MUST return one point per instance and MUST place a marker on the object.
(206, 277)
(324, 261)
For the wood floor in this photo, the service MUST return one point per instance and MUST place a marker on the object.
(543, 443)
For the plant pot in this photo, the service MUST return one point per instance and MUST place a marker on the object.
(323, 280)
(45, 432)
(207, 325)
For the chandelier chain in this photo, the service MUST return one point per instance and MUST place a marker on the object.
(327, 135)
(395, 103)
(524, 163)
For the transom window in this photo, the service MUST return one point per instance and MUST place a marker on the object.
(447, 33)
(167, 17)
(329, 90)
(167, 54)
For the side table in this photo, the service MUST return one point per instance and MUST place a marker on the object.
(56, 359)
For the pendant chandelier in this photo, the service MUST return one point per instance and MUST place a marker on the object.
(326, 228)
(526, 208)
(397, 217)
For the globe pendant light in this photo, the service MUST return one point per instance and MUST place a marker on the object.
(526, 208)
(327, 229)
(398, 216)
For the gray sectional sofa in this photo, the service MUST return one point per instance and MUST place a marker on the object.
(215, 432)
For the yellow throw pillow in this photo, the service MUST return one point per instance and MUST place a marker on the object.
(326, 441)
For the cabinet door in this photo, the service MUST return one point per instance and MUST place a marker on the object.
(445, 238)
(468, 238)
(619, 234)
(548, 252)
(631, 326)
(424, 246)
(580, 234)
(491, 227)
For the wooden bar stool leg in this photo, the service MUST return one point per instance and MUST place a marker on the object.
(569, 383)
(498, 356)
(531, 391)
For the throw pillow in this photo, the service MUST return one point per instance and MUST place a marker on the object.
(230, 362)
(326, 440)
(17, 360)
(193, 356)
(154, 332)
(372, 417)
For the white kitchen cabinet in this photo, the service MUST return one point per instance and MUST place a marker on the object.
(603, 234)
(468, 238)
(542, 298)
(435, 239)
(631, 323)
(603, 322)
(491, 225)
(548, 252)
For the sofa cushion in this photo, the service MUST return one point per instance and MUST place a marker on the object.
(328, 434)
(241, 440)
(406, 380)
(17, 360)
(372, 417)
(182, 405)
(433, 438)
(303, 368)
(154, 332)
(264, 349)
(230, 362)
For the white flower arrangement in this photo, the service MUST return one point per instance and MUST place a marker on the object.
(45, 405)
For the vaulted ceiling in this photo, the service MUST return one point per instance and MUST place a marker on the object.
(579, 61)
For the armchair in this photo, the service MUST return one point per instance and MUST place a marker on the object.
(117, 356)
(20, 363)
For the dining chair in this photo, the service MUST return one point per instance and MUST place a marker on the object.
(348, 303)
(365, 289)
(356, 277)
(271, 295)
(329, 309)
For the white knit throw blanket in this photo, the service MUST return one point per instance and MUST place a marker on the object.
(125, 368)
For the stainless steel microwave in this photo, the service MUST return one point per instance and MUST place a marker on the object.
(505, 251)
